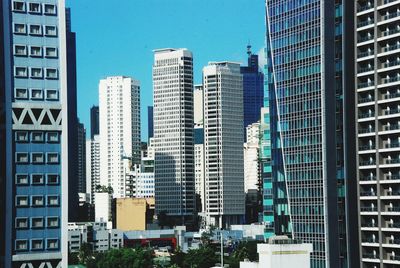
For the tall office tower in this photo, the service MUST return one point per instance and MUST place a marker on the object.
(150, 122)
(73, 198)
(253, 90)
(81, 158)
(311, 105)
(94, 121)
(173, 132)
(35, 135)
(223, 139)
(252, 172)
(199, 166)
(119, 99)
(377, 84)
(198, 104)
(92, 166)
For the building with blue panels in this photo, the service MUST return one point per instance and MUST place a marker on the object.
(94, 121)
(253, 90)
(34, 141)
(310, 180)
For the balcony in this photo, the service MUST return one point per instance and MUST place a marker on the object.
(365, 84)
(365, 69)
(365, 54)
(366, 130)
(365, 23)
(368, 209)
(367, 163)
(385, 2)
(391, 111)
(366, 147)
(391, 48)
(391, 96)
(370, 256)
(391, 127)
(393, 209)
(390, 32)
(391, 177)
(368, 178)
(391, 16)
(392, 145)
(366, 115)
(394, 225)
(364, 7)
(391, 161)
(365, 38)
(367, 193)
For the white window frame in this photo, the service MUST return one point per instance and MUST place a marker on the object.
(23, 10)
(33, 154)
(37, 197)
(18, 198)
(50, 13)
(15, 27)
(47, 27)
(25, 241)
(30, 10)
(48, 240)
(37, 218)
(47, 74)
(51, 48)
(20, 76)
(50, 218)
(32, 69)
(53, 197)
(37, 140)
(25, 219)
(56, 135)
(37, 240)
(21, 153)
(32, 90)
(37, 183)
(20, 89)
(35, 25)
(48, 156)
(20, 134)
(36, 55)
(52, 174)
(48, 91)
(17, 182)
(24, 54)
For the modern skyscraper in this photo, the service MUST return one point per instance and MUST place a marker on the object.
(311, 107)
(81, 158)
(173, 132)
(253, 90)
(199, 166)
(198, 104)
(92, 165)
(94, 121)
(150, 122)
(377, 84)
(34, 140)
(223, 139)
(119, 99)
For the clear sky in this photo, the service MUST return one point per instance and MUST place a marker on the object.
(117, 38)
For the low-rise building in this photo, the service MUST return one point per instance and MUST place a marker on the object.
(134, 213)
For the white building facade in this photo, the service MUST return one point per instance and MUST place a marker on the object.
(223, 139)
(92, 165)
(119, 101)
(251, 156)
(173, 132)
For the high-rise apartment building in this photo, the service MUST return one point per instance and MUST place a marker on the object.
(92, 166)
(199, 166)
(34, 134)
(94, 121)
(377, 83)
(81, 158)
(198, 104)
(223, 144)
(173, 132)
(253, 90)
(119, 101)
(312, 182)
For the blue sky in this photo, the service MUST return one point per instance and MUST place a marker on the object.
(117, 38)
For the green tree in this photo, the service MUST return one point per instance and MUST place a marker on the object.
(125, 258)
(178, 257)
(204, 257)
(85, 253)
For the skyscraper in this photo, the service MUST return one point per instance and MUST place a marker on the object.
(198, 104)
(223, 139)
(119, 99)
(150, 122)
(92, 165)
(81, 158)
(94, 121)
(377, 84)
(173, 132)
(312, 174)
(253, 90)
(34, 140)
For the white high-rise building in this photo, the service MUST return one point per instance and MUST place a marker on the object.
(119, 101)
(173, 132)
(223, 139)
(198, 104)
(251, 155)
(92, 165)
(199, 163)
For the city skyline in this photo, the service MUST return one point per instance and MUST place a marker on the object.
(95, 62)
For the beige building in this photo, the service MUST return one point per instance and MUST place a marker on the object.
(134, 213)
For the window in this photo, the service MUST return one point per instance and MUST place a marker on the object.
(49, 9)
(21, 72)
(35, 29)
(51, 52)
(52, 222)
(52, 158)
(21, 201)
(21, 223)
(37, 244)
(36, 72)
(36, 94)
(37, 222)
(19, 28)
(21, 179)
(50, 30)
(21, 245)
(34, 8)
(35, 51)
(37, 178)
(37, 136)
(37, 201)
(51, 94)
(53, 137)
(51, 73)
(52, 243)
(37, 158)
(18, 6)
(52, 200)
(21, 158)
(20, 50)
(21, 93)
(52, 178)
(21, 136)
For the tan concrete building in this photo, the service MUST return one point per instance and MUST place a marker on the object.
(134, 213)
